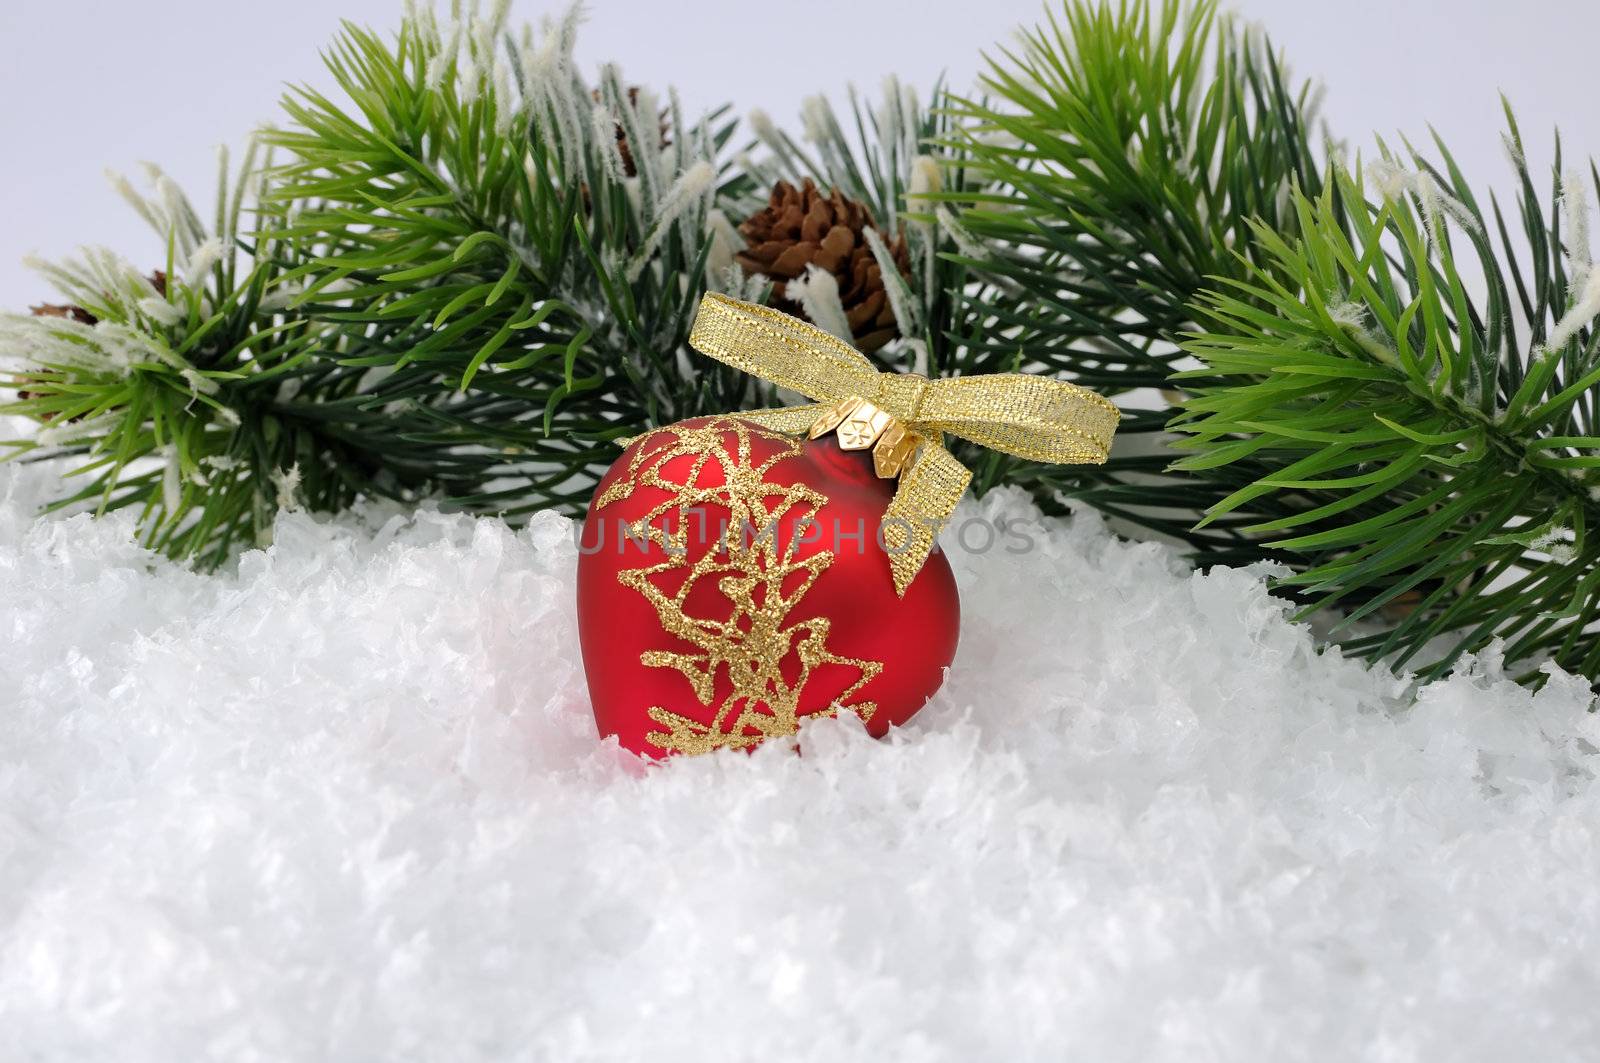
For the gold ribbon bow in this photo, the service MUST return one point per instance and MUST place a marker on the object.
(903, 416)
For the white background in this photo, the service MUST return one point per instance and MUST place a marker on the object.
(88, 85)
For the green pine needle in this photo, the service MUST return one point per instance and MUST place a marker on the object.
(1409, 394)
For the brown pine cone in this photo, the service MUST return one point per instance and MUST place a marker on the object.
(67, 310)
(802, 227)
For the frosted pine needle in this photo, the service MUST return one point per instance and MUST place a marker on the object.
(1349, 314)
(1575, 208)
(469, 79)
(725, 243)
(160, 311)
(894, 285)
(287, 484)
(207, 254)
(1583, 311)
(686, 192)
(433, 76)
(965, 242)
(761, 125)
(130, 195)
(1393, 180)
(926, 181)
(817, 292)
(603, 128)
(814, 115)
(505, 103)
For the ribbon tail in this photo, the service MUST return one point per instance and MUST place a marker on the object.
(927, 495)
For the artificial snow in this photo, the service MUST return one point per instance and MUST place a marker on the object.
(346, 803)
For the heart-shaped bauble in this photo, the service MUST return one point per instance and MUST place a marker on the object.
(732, 582)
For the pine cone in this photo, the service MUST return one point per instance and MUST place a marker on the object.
(67, 310)
(802, 227)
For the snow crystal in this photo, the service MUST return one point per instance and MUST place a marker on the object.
(345, 802)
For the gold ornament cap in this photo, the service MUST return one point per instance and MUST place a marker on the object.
(860, 425)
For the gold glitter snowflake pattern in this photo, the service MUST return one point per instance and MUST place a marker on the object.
(759, 578)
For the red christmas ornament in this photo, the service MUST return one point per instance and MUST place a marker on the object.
(737, 578)
(734, 581)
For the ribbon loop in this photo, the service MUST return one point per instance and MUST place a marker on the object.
(1024, 416)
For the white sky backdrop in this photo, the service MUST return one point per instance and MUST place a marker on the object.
(90, 84)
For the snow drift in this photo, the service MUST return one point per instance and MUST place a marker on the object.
(346, 803)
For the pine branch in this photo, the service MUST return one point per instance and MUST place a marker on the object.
(1410, 395)
(454, 290)
(166, 392)
(1124, 152)
(470, 226)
